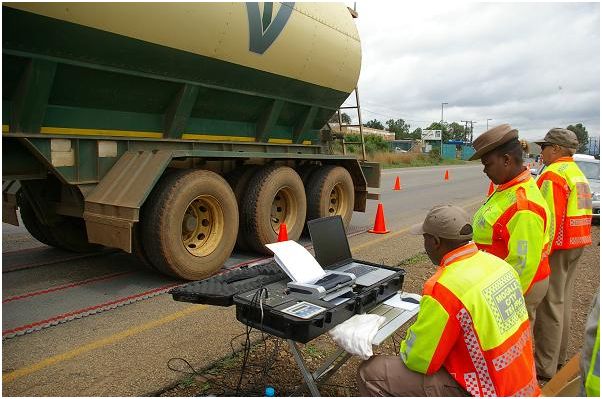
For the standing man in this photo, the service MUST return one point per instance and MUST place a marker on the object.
(472, 334)
(514, 223)
(566, 190)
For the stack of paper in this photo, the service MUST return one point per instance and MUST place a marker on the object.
(296, 261)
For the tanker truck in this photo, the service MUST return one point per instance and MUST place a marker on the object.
(176, 131)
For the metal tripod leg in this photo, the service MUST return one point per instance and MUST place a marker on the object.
(328, 368)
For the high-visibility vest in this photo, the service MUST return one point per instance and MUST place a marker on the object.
(567, 192)
(473, 322)
(514, 225)
(592, 380)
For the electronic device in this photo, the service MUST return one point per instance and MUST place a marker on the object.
(333, 285)
(332, 251)
(304, 310)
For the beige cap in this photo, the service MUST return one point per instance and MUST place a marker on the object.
(445, 221)
(562, 137)
(493, 138)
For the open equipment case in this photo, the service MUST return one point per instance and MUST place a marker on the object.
(263, 301)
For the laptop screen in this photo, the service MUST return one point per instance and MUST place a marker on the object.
(329, 240)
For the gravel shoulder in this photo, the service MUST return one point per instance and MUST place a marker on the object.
(270, 363)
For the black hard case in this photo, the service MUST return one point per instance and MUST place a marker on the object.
(240, 287)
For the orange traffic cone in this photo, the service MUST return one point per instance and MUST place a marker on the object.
(446, 175)
(282, 233)
(397, 186)
(379, 222)
(491, 189)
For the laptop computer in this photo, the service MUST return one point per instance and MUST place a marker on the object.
(333, 253)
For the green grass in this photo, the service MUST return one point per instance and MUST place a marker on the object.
(424, 162)
(412, 260)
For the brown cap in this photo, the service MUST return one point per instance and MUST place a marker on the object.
(493, 138)
(445, 221)
(562, 137)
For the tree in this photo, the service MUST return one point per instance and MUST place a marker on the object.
(344, 118)
(399, 127)
(416, 134)
(582, 135)
(458, 132)
(374, 124)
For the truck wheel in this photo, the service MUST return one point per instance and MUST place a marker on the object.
(31, 222)
(70, 234)
(138, 249)
(305, 172)
(330, 192)
(189, 224)
(239, 181)
(275, 195)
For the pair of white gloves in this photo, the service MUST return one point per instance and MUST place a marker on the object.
(355, 335)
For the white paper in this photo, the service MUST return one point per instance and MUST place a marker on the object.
(296, 261)
(396, 302)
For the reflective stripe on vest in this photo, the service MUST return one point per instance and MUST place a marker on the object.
(495, 335)
(592, 380)
(491, 232)
(575, 222)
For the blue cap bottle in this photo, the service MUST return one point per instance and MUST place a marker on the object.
(269, 391)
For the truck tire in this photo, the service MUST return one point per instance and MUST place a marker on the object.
(189, 224)
(70, 234)
(275, 195)
(330, 192)
(239, 181)
(138, 250)
(31, 222)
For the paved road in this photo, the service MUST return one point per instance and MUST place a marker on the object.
(124, 352)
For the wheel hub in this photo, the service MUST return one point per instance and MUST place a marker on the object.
(202, 226)
(284, 209)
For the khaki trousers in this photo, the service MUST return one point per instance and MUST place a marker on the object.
(534, 297)
(553, 319)
(388, 376)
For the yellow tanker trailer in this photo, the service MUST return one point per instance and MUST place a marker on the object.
(176, 130)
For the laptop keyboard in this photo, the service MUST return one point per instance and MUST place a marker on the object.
(359, 270)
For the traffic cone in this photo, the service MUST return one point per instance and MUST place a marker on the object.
(282, 233)
(491, 189)
(379, 221)
(446, 178)
(397, 186)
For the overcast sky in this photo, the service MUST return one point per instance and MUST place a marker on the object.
(533, 65)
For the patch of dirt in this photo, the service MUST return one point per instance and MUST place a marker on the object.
(270, 363)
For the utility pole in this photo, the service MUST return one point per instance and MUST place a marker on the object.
(488, 119)
(442, 104)
(466, 129)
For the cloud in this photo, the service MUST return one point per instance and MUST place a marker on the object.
(534, 65)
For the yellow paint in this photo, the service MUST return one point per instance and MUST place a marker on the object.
(319, 44)
(100, 132)
(4, 128)
(190, 136)
(49, 361)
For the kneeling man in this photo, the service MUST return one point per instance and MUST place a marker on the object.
(472, 335)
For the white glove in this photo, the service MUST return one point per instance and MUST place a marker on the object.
(356, 334)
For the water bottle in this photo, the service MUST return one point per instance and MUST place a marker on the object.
(269, 391)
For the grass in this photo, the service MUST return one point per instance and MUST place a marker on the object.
(414, 259)
(410, 159)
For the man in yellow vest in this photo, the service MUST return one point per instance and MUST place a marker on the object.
(472, 335)
(567, 192)
(590, 354)
(514, 223)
